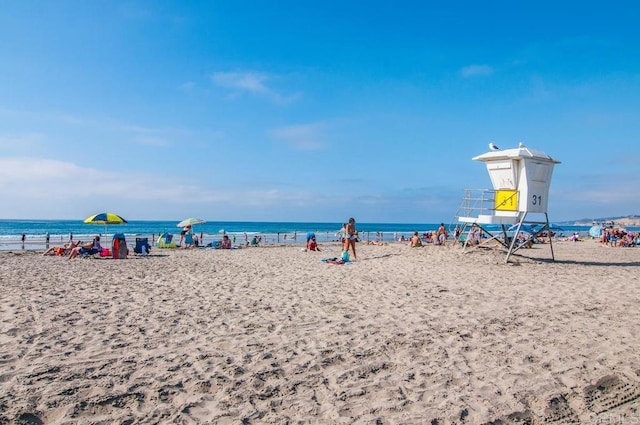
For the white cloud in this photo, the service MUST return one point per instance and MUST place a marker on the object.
(21, 142)
(476, 70)
(154, 136)
(45, 188)
(189, 85)
(149, 141)
(252, 82)
(38, 179)
(304, 136)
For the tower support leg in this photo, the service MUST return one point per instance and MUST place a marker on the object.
(549, 233)
(512, 245)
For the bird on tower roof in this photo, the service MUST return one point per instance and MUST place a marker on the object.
(493, 147)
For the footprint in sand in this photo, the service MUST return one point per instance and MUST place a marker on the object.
(559, 411)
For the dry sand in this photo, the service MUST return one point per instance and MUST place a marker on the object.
(273, 335)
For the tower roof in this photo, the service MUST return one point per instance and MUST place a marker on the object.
(516, 153)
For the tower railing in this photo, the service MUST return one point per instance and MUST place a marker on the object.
(477, 202)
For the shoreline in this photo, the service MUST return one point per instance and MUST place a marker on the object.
(13, 242)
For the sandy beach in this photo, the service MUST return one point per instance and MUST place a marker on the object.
(274, 335)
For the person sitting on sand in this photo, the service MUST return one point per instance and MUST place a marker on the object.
(90, 248)
(415, 241)
(61, 250)
(313, 245)
(310, 235)
(225, 243)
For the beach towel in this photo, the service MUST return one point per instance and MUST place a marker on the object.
(335, 260)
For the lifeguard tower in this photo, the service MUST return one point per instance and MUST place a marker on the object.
(521, 178)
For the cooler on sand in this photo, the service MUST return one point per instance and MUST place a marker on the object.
(119, 248)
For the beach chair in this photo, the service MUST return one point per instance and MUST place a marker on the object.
(188, 240)
(142, 246)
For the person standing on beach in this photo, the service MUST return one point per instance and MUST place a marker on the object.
(186, 229)
(442, 234)
(351, 235)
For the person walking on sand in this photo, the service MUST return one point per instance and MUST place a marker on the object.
(351, 237)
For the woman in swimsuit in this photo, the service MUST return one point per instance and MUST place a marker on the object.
(351, 237)
(61, 250)
(90, 248)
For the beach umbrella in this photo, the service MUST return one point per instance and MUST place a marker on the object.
(190, 222)
(595, 231)
(105, 218)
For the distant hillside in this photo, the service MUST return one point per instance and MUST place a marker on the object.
(629, 220)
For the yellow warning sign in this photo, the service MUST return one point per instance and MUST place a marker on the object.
(506, 200)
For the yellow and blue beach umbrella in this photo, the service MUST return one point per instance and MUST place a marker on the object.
(105, 218)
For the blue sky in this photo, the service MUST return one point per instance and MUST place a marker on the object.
(311, 111)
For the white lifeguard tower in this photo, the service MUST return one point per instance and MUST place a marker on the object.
(521, 178)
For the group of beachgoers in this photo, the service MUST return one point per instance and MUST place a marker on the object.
(437, 237)
(73, 249)
(349, 237)
(188, 239)
(619, 237)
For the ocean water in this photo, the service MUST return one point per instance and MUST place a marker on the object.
(57, 228)
(271, 232)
